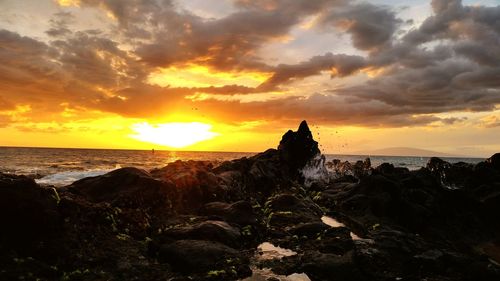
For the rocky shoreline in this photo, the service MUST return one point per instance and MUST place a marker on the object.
(192, 220)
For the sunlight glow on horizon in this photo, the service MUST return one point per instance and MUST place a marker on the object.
(175, 135)
(202, 76)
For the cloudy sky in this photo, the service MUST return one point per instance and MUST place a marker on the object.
(138, 73)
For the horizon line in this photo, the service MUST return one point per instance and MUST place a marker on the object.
(246, 152)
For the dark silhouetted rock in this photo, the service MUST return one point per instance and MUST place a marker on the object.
(311, 229)
(195, 182)
(126, 187)
(288, 209)
(28, 213)
(217, 231)
(494, 161)
(195, 255)
(297, 148)
(325, 266)
(240, 212)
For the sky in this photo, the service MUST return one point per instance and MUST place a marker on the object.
(234, 75)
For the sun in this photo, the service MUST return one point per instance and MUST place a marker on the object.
(175, 135)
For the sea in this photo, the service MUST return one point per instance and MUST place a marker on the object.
(62, 166)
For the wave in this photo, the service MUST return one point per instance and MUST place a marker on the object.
(68, 177)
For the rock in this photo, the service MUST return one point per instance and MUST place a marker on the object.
(288, 209)
(190, 256)
(375, 194)
(28, 214)
(451, 176)
(297, 148)
(125, 187)
(186, 174)
(240, 212)
(323, 266)
(494, 161)
(138, 201)
(217, 231)
(492, 202)
(311, 229)
(195, 182)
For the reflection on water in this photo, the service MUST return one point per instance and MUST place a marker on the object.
(331, 221)
(335, 223)
(266, 274)
(268, 251)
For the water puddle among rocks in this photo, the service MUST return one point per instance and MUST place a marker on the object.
(266, 274)
(331, 221)
(335, 223)
(356, 238)
(268, 251)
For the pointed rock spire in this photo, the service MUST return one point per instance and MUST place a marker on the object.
(297, 148)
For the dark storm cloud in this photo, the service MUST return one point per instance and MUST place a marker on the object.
(320, 109)
(344, 65)
(227, 43)
(95, 60)
(441, 88)
(176, 36)
(371, 27)
(25, 61)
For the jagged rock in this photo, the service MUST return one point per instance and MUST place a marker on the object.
(297, 148)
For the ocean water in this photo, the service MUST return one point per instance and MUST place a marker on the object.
(61, 166)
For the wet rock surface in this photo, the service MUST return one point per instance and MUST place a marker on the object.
(193, 220)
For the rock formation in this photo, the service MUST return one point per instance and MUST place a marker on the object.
(193, 220)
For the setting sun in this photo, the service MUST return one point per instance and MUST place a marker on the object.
(176, 135)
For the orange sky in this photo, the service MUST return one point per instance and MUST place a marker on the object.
(234, 75)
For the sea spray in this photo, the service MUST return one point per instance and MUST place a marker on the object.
(315, 171)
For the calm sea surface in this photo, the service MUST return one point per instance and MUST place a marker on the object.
(60, 166)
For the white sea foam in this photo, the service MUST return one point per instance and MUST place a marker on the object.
(315, 171)
(66, 178)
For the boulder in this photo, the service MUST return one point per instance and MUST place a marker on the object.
(125, 187)
(138, 200)
(28, 213)
(196, 183)
(240, 212)
(217, 231)
(191, 256)
(288, 209)
(451, 176)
